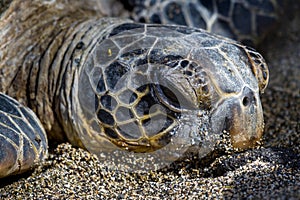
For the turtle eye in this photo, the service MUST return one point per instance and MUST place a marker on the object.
(168, 96)
(259, 68)
(174, 98)
(263, 76)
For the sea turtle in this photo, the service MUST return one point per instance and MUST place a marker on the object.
(104, 83)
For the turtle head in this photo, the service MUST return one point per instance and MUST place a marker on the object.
(144, 85)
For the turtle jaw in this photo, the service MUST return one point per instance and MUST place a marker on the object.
(242, 117)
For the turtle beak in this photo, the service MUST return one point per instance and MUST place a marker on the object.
(242, 117)
(245, 126)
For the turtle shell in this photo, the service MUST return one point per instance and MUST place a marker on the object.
(247, 21)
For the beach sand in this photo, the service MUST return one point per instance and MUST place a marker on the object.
(269, 171)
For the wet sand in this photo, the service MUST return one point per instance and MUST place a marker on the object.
(270, 171)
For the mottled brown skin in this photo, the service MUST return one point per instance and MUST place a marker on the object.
(47, 48)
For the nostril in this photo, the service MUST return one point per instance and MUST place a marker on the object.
(248, 97)
(246, 101)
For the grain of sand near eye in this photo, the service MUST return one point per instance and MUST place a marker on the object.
(271, 171)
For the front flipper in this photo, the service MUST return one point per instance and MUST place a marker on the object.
(23, 141)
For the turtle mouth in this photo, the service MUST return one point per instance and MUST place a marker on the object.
(243, 135)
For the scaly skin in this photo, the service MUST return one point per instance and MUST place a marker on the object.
(45, 38)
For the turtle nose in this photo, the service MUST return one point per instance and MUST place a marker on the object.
(246, 120)
(248, 97)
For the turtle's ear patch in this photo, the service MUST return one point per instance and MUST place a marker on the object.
(259, 68)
